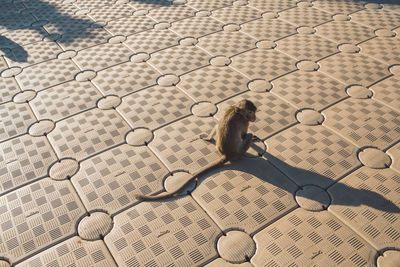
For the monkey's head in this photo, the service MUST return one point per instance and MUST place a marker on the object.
(248, 109)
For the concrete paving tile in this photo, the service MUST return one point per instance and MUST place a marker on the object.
(15, 22)
(385, 49)
(309, 89)
(42, 10)
(367, 201)
(73, 251)
(312, 155)
(149, 4)
(35, 216)
(245, 195)
(222, 263)
(236, 14)
(354, 68)
(171, 13)
(179, 146)
(394, 153)
(175, 232)
(226, 43)
(125, 78)
(208, 5)
(109, 180)
(155, 107)
(3, 63)
(196, 26)
(21, 37)
(307, 238)
(15, 119)
(150, 41)
(62, 25)
(391, 5)
(130, 25)
(377, 18)
(83, 39)
(364, 122)
(47, 74)
(271, 5)
(263, 63)
(10, 9)
(88, 133)
(273, 114)
(388, 91)
(102, 56)
(63, 100)
(213, 84)
(339, 6)
(89, 5)
(24, 159)
(270, 28)
(305, 15)
(8, 88)
(112, 12)
(307, 46)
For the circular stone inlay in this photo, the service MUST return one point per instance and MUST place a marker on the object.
(24, 96)
(390, 258)
(140, 12)
(67, 54)
(270, 15)
(309, 117)
(385, 33)
(177, 179)
(304, 4)
(259, 85)
(64, 169)
(139, 137)
(305, 30)
(188, 41)
(257, 148)
(395, 69)
(204, 109)
(374, 158)
(109, 102)
(358, 91)
(312, 198)
(231, 27)
(203, 13)
(95, 226)
(168, 80)
(162, 26)
(220, 61)
(140, 57)
(236, 247)
(373, 6)
(117, 39)
(266, 44)
(307, 65)
(240, 3)
(85, 75)
(41, 128)
(348, 48)
(341, 17)
(11, 72)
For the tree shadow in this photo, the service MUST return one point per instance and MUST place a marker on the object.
(391, 2)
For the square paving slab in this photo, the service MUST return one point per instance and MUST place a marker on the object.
(106, 102)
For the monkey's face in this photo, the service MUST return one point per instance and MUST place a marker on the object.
(251, 115)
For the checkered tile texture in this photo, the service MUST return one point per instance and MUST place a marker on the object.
(377, 18)
(15, 22)
(227, 43)
(83, 39)
(236, 14)
(365, 122)
(111, 12)
(22, 37)
(11, 9)
(130, 25)
(270, 29)
(92, 4)
(388, 91)
(102, 56)
(176, 232)
(213, 84)
(208, 5)
(272, 5)
(339, 6)
(309, 89)
(345, 32)
(171, 13)
(45, 11)
(15, 119)
(196, 26)
(8, 88)
(179, 60)
(312, 155)
(47, 74)
(68, 24)
(125, 78)
(155, 106)
(367, 200)
(308, 237)
(88, 133)
(110, 180)
(37, 216)
(394, 153)
(305, 16)
(354, 68)
(64, 100)
(391, 5)
(383, 49)
(307, 46)
(151, 41)
(23, 159)
(265, 64)
(149, 4)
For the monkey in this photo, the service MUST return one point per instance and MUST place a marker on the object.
(232, 140)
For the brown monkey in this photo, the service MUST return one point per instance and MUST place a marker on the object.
(232, 140)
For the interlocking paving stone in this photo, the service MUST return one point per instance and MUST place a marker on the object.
(236, 14)
(312, 155)
(171, 13)
(307, 238)
(385, 49)
(155, 106)
(394, 152)
(88, 133)
(83, 4)
(64, 100)
(22, 37)
(11, 9)
(196, 26)
(109, 180)
(83, 39)
(268, 28)
(377, 18)
(354, 68)
(112, 12)
(365, 122)
(47, 74)
(42, 10)
(15, 119)
(309, 89)
(73, 251)
(271, 5)
(391, 5)
(175, 232)
(64, 24)
(8, 88)
(305, 16)
(149, 4)
(208, 5)
(23, 159)
(339, 6)
(36, 216)
(367, 200)
(3, 64)
(125, 78)
(130, 25)
(150, 41)
(245, 196)
(213, 84)
(388, 91)
(15, 22)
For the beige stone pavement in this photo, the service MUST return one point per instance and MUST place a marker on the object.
(102, 99)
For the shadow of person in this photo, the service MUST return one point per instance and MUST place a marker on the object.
(7, 46)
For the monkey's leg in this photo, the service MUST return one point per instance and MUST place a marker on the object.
(245, 145)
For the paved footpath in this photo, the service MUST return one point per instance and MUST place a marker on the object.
(102, 99)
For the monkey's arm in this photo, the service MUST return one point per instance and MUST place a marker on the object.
(211, 136)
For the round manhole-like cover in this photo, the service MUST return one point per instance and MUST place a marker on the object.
(64, 169)
(236, 247)
(95, 226)
(374, 158)
(24, 96)
(204, 109)
(309, 117)
(41, 128)
(313, 198)
(109, 102)
(139, 137)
